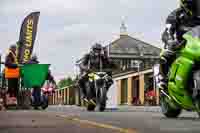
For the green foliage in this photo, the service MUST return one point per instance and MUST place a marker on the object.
(65, 82)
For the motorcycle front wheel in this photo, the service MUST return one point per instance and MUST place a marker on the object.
(102, 107)
(102, 98)
(167, 110)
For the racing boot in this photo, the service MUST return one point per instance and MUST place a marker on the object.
(92, 101)
(84, 98)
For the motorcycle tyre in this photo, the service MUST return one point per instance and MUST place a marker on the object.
(167, 110)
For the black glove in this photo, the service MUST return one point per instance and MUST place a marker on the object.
(173, 45)
(88, 71)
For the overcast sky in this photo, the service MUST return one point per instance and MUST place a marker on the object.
(67, 28)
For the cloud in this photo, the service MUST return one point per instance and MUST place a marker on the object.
(67, 28)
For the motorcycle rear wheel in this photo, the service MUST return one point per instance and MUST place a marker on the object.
(44, 106)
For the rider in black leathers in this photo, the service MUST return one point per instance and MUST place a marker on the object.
(93, 61)
(178, 22)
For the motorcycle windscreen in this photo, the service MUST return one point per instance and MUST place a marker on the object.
(196, 8)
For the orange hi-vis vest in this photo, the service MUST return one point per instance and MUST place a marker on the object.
(12, 72)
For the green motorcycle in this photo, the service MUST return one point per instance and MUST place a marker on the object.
(183, 91)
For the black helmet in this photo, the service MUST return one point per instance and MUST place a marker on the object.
(96, 46)
(191, 7)
(187, 5)
(96, 49)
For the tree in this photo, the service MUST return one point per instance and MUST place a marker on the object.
(65, 82)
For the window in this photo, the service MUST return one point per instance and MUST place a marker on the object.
(129, 63)
(136, 63)
(132, 63)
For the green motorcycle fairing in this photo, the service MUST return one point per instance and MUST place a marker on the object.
(181, 69)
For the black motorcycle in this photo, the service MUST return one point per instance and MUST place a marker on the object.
(97, 90)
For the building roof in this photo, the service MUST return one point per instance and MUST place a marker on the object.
(127, 45)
